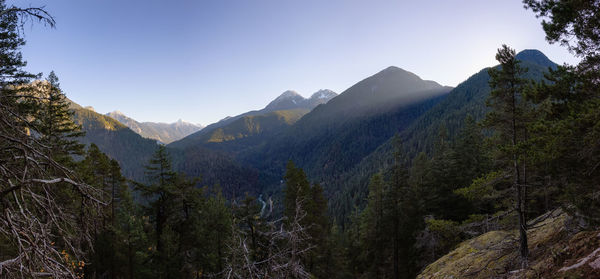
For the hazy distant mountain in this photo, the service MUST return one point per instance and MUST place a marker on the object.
(163, 132)
(131, 150)
(283, 111)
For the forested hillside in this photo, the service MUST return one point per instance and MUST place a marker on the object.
(396, 177)
(286, 109)
(335, 136)
(116, 140)
(443, 122)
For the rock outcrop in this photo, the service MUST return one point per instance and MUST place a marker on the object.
(559, 248)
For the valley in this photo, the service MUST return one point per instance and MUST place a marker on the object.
(373, 171)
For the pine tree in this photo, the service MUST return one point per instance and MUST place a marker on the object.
(159, 194)
(318, 225)
(217, 219)
(58, 131)
(131, 239)
(296, 186)
(31, 176)
(316, 221)
(508, 120)
(403, 210)
(566, 131)
(373, 237)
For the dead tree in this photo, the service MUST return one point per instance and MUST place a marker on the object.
(285, 246)
(44, 236)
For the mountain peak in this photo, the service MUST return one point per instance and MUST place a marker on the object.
(288, 94)
(393, 69)
(323, 94)
(535, 56)
(394, 72)
(287, 100)
(116, 112)
(181, 122)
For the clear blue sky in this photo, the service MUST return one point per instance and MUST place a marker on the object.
(202, 60)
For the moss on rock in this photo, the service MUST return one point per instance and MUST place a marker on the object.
(558, 249)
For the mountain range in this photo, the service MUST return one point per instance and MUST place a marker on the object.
(162, 132)
(339, 140)
(284, 110)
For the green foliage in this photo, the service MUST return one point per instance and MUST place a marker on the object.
(116, 140)
(509, 119)
(374, 243)
(565, 132)
(566, 20)
(55, 121)
(450, 112)
(485, 191)
(438, 238)
(254, 125)
(316, 220)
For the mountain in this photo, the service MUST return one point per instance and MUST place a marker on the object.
(212, 153)
(131, 150)
(292, 100)
(163, 132)
(536, 57)
(468, 98)
(328, 140)
(287, 100)
(385, 90)
(320, 97)
(283, 111)
(335, 136)
(253, 125)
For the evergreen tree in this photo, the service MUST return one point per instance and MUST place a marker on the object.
(296, 187)
(58, 131)
(373, 238)
(469, 152)
(32, 174)
(507, 118)
(355, 245)
(186, 219)
(565, 133)
(403, 215)
(159, 194)
(318, 229)
(316, 221)
(131, 239)
(217, 220)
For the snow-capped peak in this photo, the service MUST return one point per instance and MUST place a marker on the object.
(323, 94)
(288, 94)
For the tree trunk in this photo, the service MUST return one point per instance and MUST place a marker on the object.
(396, 245)
(523, 249)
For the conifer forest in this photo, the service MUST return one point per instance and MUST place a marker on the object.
(395, 177)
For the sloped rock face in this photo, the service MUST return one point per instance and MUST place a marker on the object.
(575, 257)
(558, 249)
